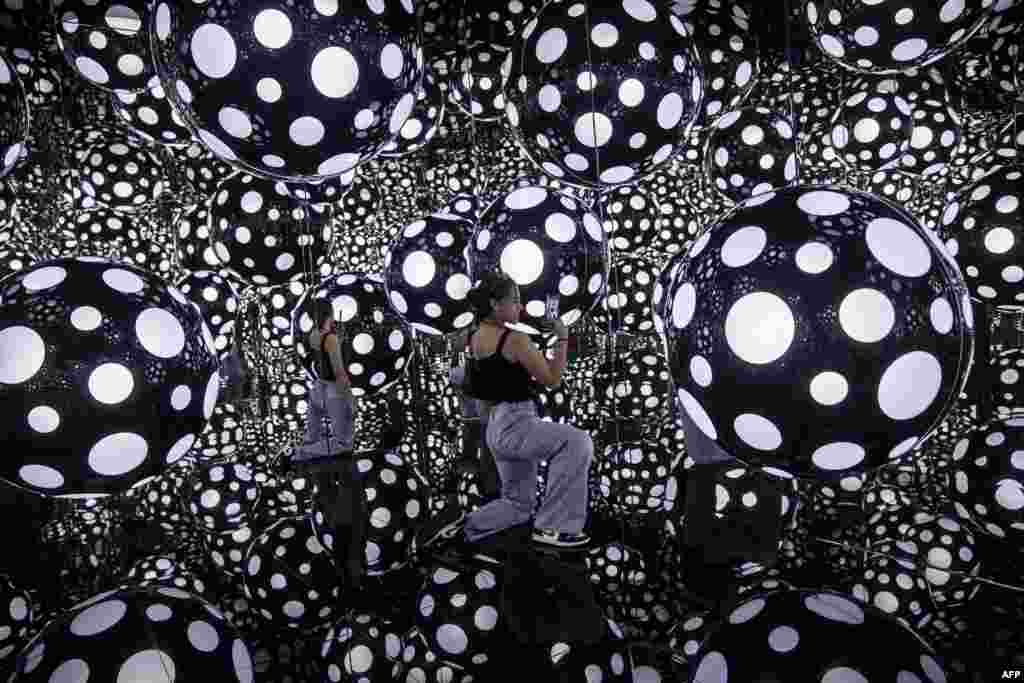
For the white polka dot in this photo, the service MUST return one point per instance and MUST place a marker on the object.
(941, 314)
(130, 65)
(823, 203)
(641, 10)
(747, 611)
(701, 371)
(212, 392)
(838, 456)
(526, 198)
(683, 306)
(43, 419)
(180, 448)
(697, 413)
(843, 674)
(549, 98)
(932, 670)
(41, 476)
(604, 35)
(235, 122)
(419, 268)
(273, 28)
(452, 639)
(147, 665)
(335, 72)
(44, 278)
(743, 246)
(814, 258)
(999, 240)
(898, 247)
(560, 227)
(159, 612)
(631, 92)
(123, 281)
(243, 662)
(551, 45)
(783, 639)
(98, 618)
(118, 453)
(22, 353)
(867, 315)
(835, 608)
(160, 333)
(593, 129)
(760, 328)
(269, 90)
(203, 636)
(757, 432)
(328, 8)
(306, 131)
(670, 111)
(829, 388)
(214, 50)
(392, 61)
(866, 36)
(92, 70)
(713, 668)
(909, 385)
(111, 383)
(909, 49)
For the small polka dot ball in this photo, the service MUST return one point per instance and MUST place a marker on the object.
(426, 274)
(137, 634)
(264, 236)
(626, 306)
(106, 43)
(889, 37)
(297, 92)
(987, 482)
(601, 94)
(223, 496)
(549, 243)
(362, 648)
(217, 301)
(457, 613)
(14, 620)
(108, 375)
(750, 151)
(290, 578)
(819, 636)
(983, 229)
(834, 299)
(424, 121)
(871, 130)
(119, 173)
(151, 116)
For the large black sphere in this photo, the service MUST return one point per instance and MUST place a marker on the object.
(107, 376)
(296, 92)
(819, 330)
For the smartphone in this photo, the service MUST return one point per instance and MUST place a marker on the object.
(551, 311)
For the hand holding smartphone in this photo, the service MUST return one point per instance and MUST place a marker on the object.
(551, 310)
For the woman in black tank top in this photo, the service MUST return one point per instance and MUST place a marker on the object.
(517, 436)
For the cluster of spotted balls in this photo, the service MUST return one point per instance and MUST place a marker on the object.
(138, 634)
(549, 243)
(118, 173)
(457, 613)
(426, 274)
(750, 151)
(872, 128)
(332, 86)
(14, 118)
(109, 376)
(983, 230)
(602, 94)
(375, 343)
(835, 299)
(889, 37)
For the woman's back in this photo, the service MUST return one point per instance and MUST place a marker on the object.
(486, 339)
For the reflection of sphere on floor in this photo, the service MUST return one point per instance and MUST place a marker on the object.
(801, 635)
(97, 356)
(457, 612)
(138, 634)
(362, 648)
(290, 578)
(222, 496)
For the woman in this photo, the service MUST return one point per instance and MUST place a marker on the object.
(330, 395)
(517, 437)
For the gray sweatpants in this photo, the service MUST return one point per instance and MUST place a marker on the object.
(324, 399)
(519, 440)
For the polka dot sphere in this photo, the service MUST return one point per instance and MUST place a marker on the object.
(227, 549)
(983, 229)
(100, 230)
(602, 93)
(363, 649)
(477, 86)
(167, 572)
(423, 665)
(277, 305)
(947, 550)
(138, 634)
(108, 375)
(265, 236)
(935, 137)
(222, 496)
(120, 174)
(630, 217)
(290, 578)
(14, 620)
(888, 37)
(549, 243)
(14, 118)
(377, 345)
(821, 636)
(291, 92)
(750, 151)
(987, 484)
(426, 274)
(217, 301)
(835, 299)
(627, 302)
(424, 121)
(872, 129)
(106, 43)
(457, 613)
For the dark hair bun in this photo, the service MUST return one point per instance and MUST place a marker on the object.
(493, 285)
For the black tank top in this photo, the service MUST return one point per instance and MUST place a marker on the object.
(326, 370)
(499, 380)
